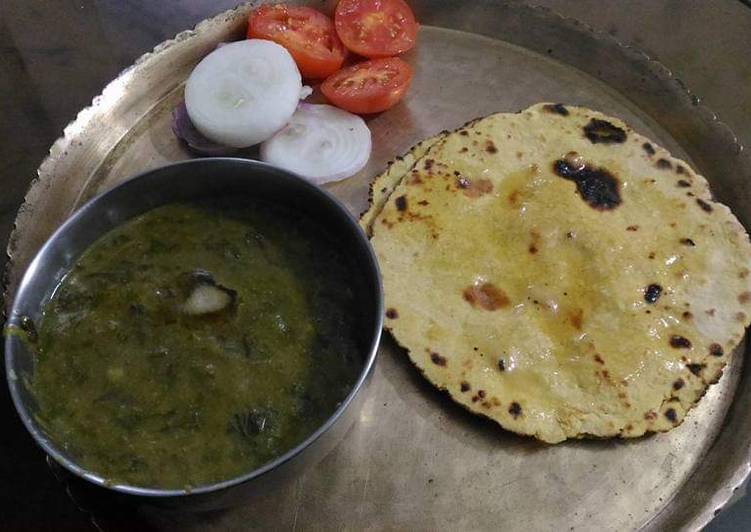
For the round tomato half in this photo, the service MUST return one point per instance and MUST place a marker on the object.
(369, 87)
(376, 28)
(309, 36)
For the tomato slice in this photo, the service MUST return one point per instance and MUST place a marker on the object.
(369, 87)
(376, 28)
(309, 36)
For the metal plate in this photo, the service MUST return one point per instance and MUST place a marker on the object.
(415, 460)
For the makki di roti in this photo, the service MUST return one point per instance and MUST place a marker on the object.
(560, 273)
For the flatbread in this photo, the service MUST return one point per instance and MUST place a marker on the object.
(563, 275)
(384, 184)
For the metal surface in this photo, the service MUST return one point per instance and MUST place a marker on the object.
(415, 460)
(184, 182)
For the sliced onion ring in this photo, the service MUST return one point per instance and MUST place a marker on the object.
(321, 143)
(243, 92)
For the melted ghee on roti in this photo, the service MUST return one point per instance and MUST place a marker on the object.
(561, 274)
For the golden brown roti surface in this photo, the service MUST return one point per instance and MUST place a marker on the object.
(384, 184)
(561, 274)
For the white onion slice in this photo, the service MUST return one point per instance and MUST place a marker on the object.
(243, 93)
(321, 143)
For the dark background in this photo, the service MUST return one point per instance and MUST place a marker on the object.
(55, 56)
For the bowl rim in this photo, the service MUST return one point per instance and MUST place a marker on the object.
(14, 382)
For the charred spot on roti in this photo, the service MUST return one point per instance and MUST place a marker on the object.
(490, 146)
(678, 384)
(464, 149)
(464, 133)
(679, 169)
(401, 203)
(501, 364)
(515, 409)
(599, 359)
(744, 298)
(556, 108)
(428, 165)
(577, 318)
(648, 148)
(706, 207)
(687, 242)
(652, 293)
(486, 296)
(663, 164)
(475, 398)
(679, 342)
(716, 350)
(437, 359)
(632, 228)
(475, 188)
(696, 369)
(534, 244)
(671, 415)
(513, 197)
(650, 416)
(600, 131)
(683, 183)
(741, 317)
(392, 314)
(596, 186)
(424, 203)
(481, 393)
(464, 386)
(651, 255)
(687, 315)
(743, 273)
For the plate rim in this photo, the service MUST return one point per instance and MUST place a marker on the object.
(713, 503)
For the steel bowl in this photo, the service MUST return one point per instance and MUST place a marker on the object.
(186, 181)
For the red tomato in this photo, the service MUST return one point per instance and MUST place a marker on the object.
(369, 87)
(309, 36)
(376, 28)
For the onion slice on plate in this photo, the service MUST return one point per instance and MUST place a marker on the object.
(321, 143)
(243, 92)
(184, 129)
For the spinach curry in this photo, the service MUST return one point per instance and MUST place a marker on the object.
(195, 343)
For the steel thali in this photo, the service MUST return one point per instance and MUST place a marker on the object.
(415, 460)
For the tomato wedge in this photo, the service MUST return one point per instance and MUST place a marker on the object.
(376, 28)
(309, 36)
(369, 87)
